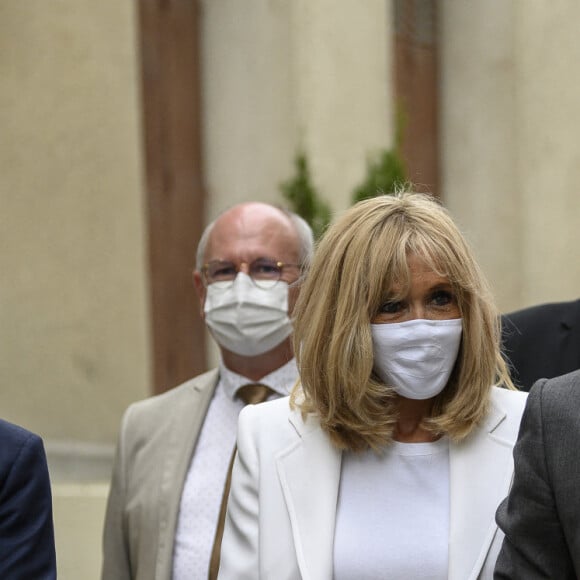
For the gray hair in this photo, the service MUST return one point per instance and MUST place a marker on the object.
(303, 231)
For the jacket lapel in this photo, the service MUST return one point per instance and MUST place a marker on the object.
(187, 421)
(311, 500)
(480, 475)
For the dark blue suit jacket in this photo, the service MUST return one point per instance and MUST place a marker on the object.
(542, 342)
(26, 529)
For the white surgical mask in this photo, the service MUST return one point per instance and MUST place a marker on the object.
(416, 357)
(246, 319)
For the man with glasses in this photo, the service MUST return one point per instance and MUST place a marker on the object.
(166, 503)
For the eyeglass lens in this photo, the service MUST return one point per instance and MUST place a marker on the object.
(265, 273)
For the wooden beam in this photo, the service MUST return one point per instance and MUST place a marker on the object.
(170, 69)
(417, 89)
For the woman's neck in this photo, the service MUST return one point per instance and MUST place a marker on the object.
(411, 415)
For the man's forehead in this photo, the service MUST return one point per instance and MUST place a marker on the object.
(255, 214)
(265, 232)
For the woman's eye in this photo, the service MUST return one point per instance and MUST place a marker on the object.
(442, 298)
(391, 307)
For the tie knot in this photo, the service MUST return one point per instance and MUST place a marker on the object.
(253, 393)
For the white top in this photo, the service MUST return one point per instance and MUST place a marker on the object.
(203, 489)
(392, 519)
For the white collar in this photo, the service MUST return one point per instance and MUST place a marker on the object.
(281, 380)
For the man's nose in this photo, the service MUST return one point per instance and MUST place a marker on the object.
(244, 267)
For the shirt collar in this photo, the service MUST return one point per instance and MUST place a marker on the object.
(281, 380)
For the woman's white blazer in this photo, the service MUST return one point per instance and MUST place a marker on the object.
(282, 504)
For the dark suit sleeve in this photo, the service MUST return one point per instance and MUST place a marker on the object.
(26, 526)
(534, 546)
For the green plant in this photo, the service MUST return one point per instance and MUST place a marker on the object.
(385, 174)
(303, 197)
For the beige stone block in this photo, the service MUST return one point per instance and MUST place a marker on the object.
(79, 511)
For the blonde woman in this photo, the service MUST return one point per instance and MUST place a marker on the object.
(393, 453)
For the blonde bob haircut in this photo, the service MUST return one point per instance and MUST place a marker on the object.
(361, 258)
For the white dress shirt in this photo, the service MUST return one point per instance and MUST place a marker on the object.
(203, 489)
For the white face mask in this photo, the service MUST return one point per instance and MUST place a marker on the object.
(246, 319)
(416, 357)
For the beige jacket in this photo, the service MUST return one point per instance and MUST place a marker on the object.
(156, 442)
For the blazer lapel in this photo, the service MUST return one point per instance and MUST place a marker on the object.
(187, 421)
(309, 473)
(480, 475)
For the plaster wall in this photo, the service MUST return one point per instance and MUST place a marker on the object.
(478, 136)
(280, 76)
(248, 100)
(73, 313)
(343, 62)
(547, 48)
(510, 150)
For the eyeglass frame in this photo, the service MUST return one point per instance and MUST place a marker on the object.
(238, 268)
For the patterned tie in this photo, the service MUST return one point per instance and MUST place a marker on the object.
(250, 394)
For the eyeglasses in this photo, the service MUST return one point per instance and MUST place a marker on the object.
(264, 273)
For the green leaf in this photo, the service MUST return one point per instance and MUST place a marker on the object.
(303, 197)
(385, 174)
